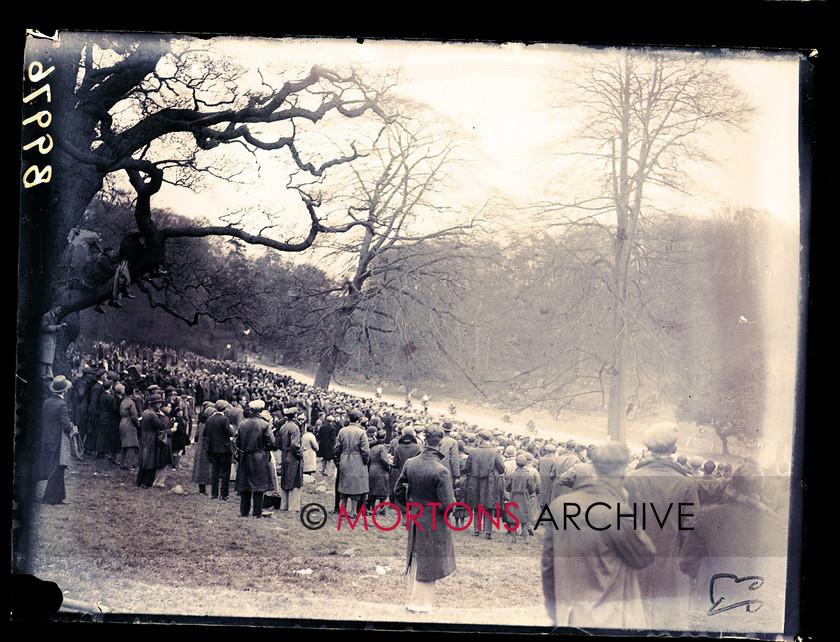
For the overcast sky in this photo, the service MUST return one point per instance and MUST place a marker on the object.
(498, 93)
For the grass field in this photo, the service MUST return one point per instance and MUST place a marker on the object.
(154, 551)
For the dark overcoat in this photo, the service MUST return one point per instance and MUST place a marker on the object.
(291, 456)
(424, 479)
(217, 434)
(96, 389)
(404, 449)
(56, 428)
(326, 439)
(253, 442)
(484, 483)
(108, 435)
(663, 483)
(379, 477)
(152, 427)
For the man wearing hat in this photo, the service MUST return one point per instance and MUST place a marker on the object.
(484, 471)
(352, 456)
(451, 456)
(326, 443)
(254, 475)
(49, 330)
(56, 428)
(430, 554)
(217, 436)
(288, 441)
(153, 425)
(589, 573)
(661, 482)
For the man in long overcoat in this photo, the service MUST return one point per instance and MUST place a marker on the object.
(217, 435)
(379, 477)
(589, 573)
(352, 456)
(153, 424)
(254, 474)
(661, 482)
(288, 442)
(430, 552)
(449, 448)
(55, 441)
(402, 448)
(484, 472)
(326, 443)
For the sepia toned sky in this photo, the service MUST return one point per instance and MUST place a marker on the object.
(499, 94)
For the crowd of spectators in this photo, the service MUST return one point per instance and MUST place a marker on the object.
(145, 407)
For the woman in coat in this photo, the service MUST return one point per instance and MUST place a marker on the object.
(484, 472)
(129, 429)
(520, 486)
(153, 424)
(309, 447)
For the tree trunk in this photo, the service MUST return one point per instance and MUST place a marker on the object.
(334, 355)
(326, 367)
(617, 418)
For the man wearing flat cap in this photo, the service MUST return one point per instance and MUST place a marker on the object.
(288, 441)
(660, 481)
(589, 573)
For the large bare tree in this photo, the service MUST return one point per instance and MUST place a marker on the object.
(407, 233)
(649, 121)
(158, 110)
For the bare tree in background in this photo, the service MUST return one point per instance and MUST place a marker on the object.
(406, 237)
(647, 122)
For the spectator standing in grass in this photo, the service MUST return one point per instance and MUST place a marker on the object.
(430, 554)
(254, 440)
(55, 441)
(129, 428)
(217, 435)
